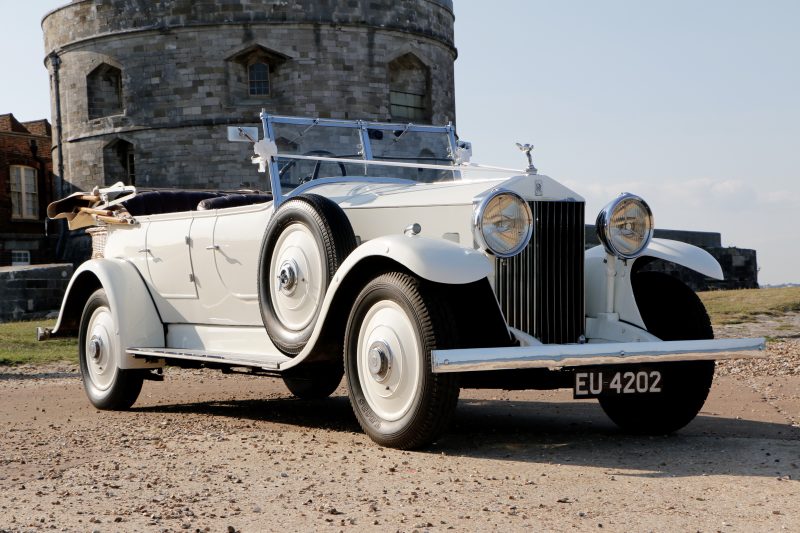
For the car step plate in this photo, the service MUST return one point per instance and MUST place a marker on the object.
(266, 362)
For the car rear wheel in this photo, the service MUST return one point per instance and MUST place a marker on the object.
(671, 311)
(315, 382)
(304, 245)
(100, 352)
(394, 324)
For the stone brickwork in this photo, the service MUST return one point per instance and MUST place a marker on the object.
(104, 92)
(32, 291)
(183, 68)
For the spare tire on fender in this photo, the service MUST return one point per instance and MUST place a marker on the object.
(306, 241)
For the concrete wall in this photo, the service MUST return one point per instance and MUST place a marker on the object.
(28, 292)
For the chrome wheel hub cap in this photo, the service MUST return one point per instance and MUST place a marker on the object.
(95, 348)
(287, 277)
(379, 361)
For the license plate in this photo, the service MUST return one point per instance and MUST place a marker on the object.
(612, 382)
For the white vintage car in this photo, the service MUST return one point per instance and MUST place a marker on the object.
(382, 254)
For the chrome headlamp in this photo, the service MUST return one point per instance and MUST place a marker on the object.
(625, 226)
(503, 223)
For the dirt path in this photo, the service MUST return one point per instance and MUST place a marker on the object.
(208, 452)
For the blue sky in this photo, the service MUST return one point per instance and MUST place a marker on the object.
(693, 105)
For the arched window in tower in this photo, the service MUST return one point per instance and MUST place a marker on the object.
(409, 90)
(258, 79)
(119, 163)
(104, 91)
(255, 74)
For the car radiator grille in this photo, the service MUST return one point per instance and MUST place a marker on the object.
(541, 289)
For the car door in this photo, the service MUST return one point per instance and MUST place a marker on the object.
(169, 262)
(237, 245)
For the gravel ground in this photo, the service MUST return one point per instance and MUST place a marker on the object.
(205, 451)
(783, 350)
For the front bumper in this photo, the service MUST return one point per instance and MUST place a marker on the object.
(554, 356)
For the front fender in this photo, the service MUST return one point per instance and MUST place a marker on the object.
(431, 259)
(136, 320)
(680, 253)
(434, 260)
(686, 255)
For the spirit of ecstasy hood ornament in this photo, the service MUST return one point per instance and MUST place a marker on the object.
(528, 148)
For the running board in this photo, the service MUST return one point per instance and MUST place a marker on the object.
(264, 362)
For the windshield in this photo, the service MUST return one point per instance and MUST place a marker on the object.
(396, 143)
(412, 147)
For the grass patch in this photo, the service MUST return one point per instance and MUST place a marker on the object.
(734, 307)
(18, 345)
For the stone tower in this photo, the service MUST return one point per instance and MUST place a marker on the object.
(143, 91)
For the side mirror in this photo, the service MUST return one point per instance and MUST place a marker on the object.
(463, 152)
(242, 134)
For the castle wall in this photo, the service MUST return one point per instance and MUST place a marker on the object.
(182, 66)
(32, 291)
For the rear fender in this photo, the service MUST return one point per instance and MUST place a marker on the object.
(136, 319)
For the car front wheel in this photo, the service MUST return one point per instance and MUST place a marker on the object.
(394, 324)
(100, 353)
(671, 311)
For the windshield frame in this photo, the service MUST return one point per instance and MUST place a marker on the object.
(365, 150)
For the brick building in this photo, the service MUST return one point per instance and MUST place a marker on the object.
(26, 187)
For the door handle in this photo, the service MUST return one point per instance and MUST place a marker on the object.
(212, 247)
